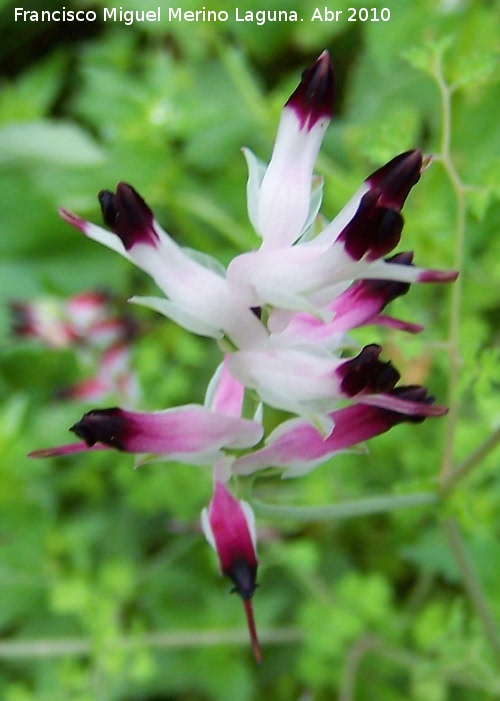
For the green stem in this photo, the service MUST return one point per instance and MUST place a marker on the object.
(472, 584)
(45, 648)
(459, 190)
(349, 509)
(470, 462)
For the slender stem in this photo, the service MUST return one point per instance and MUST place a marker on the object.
(472, 584)
(348, 509)
(351, 667)
(470, 462)
(459, 189)
(43, 648)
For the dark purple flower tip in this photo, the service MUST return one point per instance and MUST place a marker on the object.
(389, 290)
(373, 231)
(366, 373)
(243, 573)
(395, 179)
(418, 395)
(128, 216)
(313, 98)
(107, 426)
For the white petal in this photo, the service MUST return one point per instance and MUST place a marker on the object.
(256, 172)
(285, 191)
(178, 315)
(250, 519)
(108, 239)
(207, 528)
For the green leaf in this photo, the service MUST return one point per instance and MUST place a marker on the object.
(426, 57)
(476, 69)
(43, 141)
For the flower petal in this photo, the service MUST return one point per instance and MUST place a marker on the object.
(388, 186)
(290, 379)
(285, 190)
(360, 304)
(189, 433)
(395, 179)
(197, 294)
(225, 393)
(229, 526)
(298, 447)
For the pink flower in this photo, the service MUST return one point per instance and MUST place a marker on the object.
(229, 527)
(191, 433)
(297, 447)
(281, 316)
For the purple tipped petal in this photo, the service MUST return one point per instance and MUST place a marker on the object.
(395, 179)
(189, 433)
(313, 98)
(299, 447)
(128, 215)
(185, 430)
(279, 199)
(229, 527)
(406, 401)
(362, 302)
(292, 379)
(373, 231)
(366, 373)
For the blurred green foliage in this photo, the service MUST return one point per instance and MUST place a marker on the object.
(107, 588)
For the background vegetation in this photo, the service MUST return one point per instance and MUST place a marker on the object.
(107, 588)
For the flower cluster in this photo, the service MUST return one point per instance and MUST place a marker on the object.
(90, 324)
(281, 315)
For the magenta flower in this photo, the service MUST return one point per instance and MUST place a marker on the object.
(191, 433)
(297, 447)
(282, 316)
(229, 527)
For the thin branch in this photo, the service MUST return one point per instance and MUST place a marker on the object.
(352, 662)
(348, 509)
(459, 190)
(470, 462)
(472, 584)
(21, 649)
